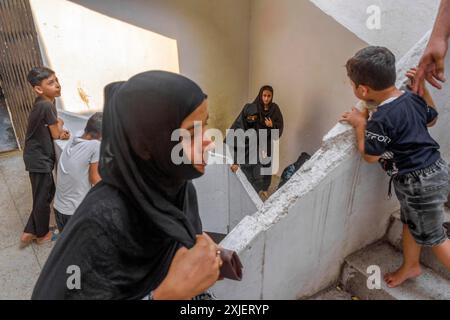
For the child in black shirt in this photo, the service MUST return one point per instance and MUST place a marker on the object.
(397, 136)
(44, 126)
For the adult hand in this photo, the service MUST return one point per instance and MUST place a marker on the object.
(355, 118)
(234, 168)
(432, 65)
(191, 271)
(269, 122)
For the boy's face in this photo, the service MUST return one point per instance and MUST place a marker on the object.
(49, 87)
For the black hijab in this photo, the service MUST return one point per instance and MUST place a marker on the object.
(125, 233)
(257, 109)
(139, 119)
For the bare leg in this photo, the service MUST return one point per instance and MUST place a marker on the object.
(442, 252)
(411, 261)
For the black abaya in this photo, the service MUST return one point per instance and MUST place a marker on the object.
(245, 122)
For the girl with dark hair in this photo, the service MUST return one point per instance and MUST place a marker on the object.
(262, 114)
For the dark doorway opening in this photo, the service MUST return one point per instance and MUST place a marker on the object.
(19, 53)
(8, 140)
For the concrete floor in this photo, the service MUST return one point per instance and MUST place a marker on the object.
(19, 269)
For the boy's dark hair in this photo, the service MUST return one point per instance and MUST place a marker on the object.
(38, 74)
(373, 67)
(94, 124)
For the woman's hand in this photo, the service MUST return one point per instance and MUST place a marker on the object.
(268, 122)
(234, 168)
(191, 272)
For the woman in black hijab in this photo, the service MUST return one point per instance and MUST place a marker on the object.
(262, 114)
(130, 228)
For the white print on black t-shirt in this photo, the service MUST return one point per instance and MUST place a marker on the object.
(378, 137)
(388, 155)
(388, 164)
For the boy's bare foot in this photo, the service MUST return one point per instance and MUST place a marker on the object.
(396, 278)
(45, 239)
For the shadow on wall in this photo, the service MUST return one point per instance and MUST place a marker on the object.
(92, 65)
(212, 40)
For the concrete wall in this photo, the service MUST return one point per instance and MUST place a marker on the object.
(301, 51)
(403, 22)
(91, 43)
(224, 198)
(335, 205)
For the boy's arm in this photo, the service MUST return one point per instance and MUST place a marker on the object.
(55, 130)
(55, 124)
(94, 176)
(361, 141)
(430, 102)
(428, 98)
(432, 115)
(358, 120)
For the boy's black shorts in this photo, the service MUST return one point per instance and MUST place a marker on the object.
(422, 195)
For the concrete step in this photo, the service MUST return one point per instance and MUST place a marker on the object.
(333, 293)
(429, 286)
(394, 236)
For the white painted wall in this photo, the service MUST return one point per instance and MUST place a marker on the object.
(302, 52)
(91, 43)
(296, 244)
(224, 198)
(403, 22)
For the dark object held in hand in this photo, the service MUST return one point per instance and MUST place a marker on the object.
(232, 266)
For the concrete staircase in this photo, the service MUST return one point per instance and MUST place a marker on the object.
(434, 284)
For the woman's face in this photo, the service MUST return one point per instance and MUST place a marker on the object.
(196, 148)
(267, 97)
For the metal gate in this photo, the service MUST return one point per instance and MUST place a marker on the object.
(19, 52)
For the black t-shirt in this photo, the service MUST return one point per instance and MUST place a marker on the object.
(39, 152)
(398, 133)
